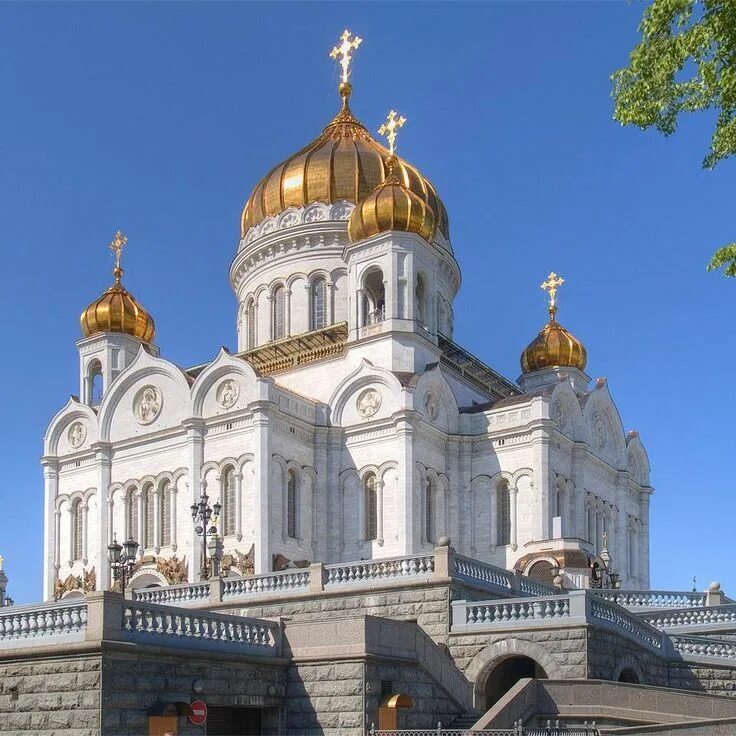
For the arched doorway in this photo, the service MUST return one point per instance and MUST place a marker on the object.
(628, 675)
(507, 673)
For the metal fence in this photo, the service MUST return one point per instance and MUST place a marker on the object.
(519, 729)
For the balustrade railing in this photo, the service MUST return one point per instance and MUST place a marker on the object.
(25, 623)
(519, 729)
(723, 616)
(379, 570)
(481, 572)
(622, 620)
(289, 581)
(508, 612)
(173, 594)
(143, 622)
(701, 646)
(653, 598)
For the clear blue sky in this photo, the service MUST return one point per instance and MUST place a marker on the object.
(159, 118)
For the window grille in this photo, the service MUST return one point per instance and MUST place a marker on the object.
(319, 304)
(279, 313)
(228, 496)
(148, 518)
(165, 496)
(291, 516)
(251, 324)
(429, 510)
(77, 530)
(503, 514)
(132, 519)
(371, 507)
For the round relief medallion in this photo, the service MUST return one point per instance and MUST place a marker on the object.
(77, 434)
(369, 402)
(147, 404)
(227, 393)
(431, 407)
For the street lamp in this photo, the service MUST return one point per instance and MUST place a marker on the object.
(202, 514)
(122, 560)
(601, 576)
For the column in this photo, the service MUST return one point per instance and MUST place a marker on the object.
(643, 568)
(174, 490)
(84, 508)
(287, 312)
(50, 525)
(359, 308)
(406, 525)
(195, 453)
(103, 461)
(514, 493)
(320, 489)
(140, 531)
(330, 306)
(239, 506)
(262, 485)
(379, 511)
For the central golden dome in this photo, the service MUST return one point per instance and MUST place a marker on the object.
(344, 162)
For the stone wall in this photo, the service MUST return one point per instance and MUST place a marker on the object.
(134, 680)
(705, 678)
(609, 654)
(48, 695)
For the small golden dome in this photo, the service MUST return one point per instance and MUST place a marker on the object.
(344, 162)
(391, 206)
(553, 346)
(118, 311)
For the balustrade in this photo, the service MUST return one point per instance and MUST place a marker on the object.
(43, 620)
(706, 616)
(355, 572)
(290, 581)
(654, 598)
(174, 594)
(696, 647)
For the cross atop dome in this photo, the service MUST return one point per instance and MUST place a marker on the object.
(551, 285)
(389, 129)
(343, 51)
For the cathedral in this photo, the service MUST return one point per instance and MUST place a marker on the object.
(350, 525)
(348, 425)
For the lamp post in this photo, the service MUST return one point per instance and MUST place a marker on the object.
(603, 576)
(122, 560)
(202, 515)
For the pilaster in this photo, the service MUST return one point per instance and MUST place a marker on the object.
(103, 461)
(50, 525)
(195, 429)
(262, 481)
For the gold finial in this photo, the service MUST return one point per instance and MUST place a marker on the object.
(388, 129)
(116, 246)
(343, 50)
(551, 285)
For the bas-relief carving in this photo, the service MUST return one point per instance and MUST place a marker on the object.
(599, 431)
(243, 563)
(77, 435)
(431, 407)
(227, 393)
(368, 403)
(86, 583)
(147, 404)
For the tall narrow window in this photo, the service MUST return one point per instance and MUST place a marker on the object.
(371, 506)
(94, 383)
(420, 302)
(148, 502)
(250, 324)
(291, 499)
(632, 549)
(319, 304)
(77, 530)
(132, 514)
(228, 498)
(165, 500)
(503, 513)
(429, 504)
(279, 313)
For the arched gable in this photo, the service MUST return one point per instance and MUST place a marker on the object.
(167, 407)
(226, 385)
(564, 410)
(435, 399)
(637, 459)
(367, 394)
(604, 430)
(57, 440)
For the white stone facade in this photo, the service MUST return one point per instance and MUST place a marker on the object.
(376, 452)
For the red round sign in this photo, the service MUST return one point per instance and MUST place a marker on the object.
(199, 712)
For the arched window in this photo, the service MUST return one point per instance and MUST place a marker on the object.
(319, 304)
(148, 502)
(94, 383)
(77, 530)
(250, 324)
(429, 506)
(374, 297)
(420, 302)
(371, 507)
(228, 501)
(291, 510)
(503, 513)
(632, 549)
(279, 313)
(165, 499)
(132, 514)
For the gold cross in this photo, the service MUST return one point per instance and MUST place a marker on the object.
(343, 50)
(117, 245)
(388, 129)
(551, 285)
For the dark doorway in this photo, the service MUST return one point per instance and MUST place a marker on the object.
(628, 675)
(507, 674)
(223, 721)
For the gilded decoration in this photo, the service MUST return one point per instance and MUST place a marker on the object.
(172, 568)
(227, 393)
(368, 403)
(85, 583)
(117, 310)
(77, 435)
(147, 404)
(243, 563)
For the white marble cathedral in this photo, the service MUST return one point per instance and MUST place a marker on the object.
(348, 425)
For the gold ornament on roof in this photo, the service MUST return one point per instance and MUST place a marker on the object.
(554, 346)
(389, 129)
(551, 285)
(343, 51)
(117, 310)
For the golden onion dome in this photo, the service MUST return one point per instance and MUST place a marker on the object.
(554, 346)
(118, 311)
(343, 163)
(391, 206)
